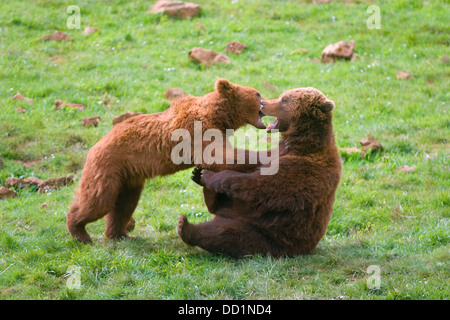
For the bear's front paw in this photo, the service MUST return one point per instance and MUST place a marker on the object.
(206, 178)
(217, 181)
(197, 176)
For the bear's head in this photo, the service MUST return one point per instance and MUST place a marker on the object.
(298, 108)
(245, 100)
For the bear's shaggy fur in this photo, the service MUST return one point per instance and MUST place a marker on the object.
(285, 214)
(140, 148)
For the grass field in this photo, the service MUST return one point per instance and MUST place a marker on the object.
(383, 216)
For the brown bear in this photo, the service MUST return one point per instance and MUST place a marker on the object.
(141, 147)
(284, 214)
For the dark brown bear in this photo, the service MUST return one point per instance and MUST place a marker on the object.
(141, 147)
(285, 214)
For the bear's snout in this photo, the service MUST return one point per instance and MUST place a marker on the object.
(270, 107)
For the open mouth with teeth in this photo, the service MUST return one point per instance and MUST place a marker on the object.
(260, 122)
(273, 125)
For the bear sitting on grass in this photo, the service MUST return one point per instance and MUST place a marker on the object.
(284, 214)
(140, 148)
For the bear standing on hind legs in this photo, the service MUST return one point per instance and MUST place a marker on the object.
(284, 214)
(140, 148)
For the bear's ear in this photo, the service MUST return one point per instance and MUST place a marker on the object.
(223, 86)
(327, 106)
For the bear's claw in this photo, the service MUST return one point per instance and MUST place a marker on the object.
(197, 176)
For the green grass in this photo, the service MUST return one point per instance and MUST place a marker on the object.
(398, 221)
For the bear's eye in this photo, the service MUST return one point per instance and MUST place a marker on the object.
(258, 95)
(284, 100)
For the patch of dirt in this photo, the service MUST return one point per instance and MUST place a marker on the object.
(407, 169)
(42, 185)
(403, 75)
(370, 143)
(6, 193)
(351, 150)
(207, 57)
(200, 26)
(20, 97)
(30, 163)
(235, 47)
(337, 51)
(91, 121)
(60, 103)
(299, 51)
(125, 116)
(89, 30)
(178, 9)
(57, 36)
(174, 93)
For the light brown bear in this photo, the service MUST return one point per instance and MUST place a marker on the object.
(284, 214)
(140, 148)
